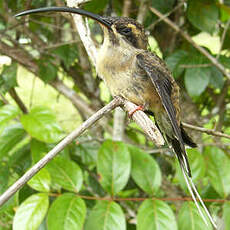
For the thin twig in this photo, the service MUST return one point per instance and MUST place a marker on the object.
(59, 147)
(126, 8)
(213, 60)
(208, 131)
(195, 66)
(18, 100)
(139, 199)
(150, 27)
(142, 10)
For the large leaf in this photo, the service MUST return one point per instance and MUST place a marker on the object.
(20, 159)
(67, 212)
(216, 78)
(41, 181)
(38, 150)
(47, 71)
(41, 124)
(218, 170)
(196, 80)
(190, 218)
(31, 212)
(155, 215)
(66, 53)
(106, 215)
(95, 6)
(173, 62)
(66, 174)
(113, 166)
(7, 113)
(203, 14)
(4, 176)
(88, 152)
(8, 77)
(10, 136)
(226, 214)
(145, 171)
(163, 6)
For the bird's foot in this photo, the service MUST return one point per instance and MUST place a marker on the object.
(140, 107)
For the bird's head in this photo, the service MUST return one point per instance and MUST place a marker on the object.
(118, 30)
(124, 31)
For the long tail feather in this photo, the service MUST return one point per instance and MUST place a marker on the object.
(192, 189)
(193, 196)
(202, 203)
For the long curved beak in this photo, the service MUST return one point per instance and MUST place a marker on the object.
(72, 10)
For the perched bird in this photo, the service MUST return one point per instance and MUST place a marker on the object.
(131, 71)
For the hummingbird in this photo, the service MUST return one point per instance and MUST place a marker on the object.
(140, 76)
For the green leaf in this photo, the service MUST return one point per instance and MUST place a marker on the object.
(197, 164)
(217, 78)
(10, 136)
(88, 152)
(4, 177)
(203, 14)
(66, 174)
(41, 124)
(67, 53)
(226, 214)
(7, 113)
(196, 80)
(113, 166)
(190, 218)
(225, 12)
(173, 62)
(106, 215)
(41, 181)
(31, 212)
(163, 6)
(155, 215)
(218, 170)
(145, 171)
(20, 159)
(38, 150)
(95, 6)
(8, 77)
(67, 212)
(225, 61)
(47, 71)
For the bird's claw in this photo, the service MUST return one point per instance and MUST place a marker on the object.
(140, 107)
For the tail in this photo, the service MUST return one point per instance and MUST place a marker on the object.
(179, 149)
(187, 140)
(181, 155)
(184, 164)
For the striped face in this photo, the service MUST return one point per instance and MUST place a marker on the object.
(129, 30)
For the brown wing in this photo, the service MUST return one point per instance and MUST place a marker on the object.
(164, 85)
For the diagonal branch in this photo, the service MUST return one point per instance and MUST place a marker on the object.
(140, 117)
(18, 100)
(59, 147)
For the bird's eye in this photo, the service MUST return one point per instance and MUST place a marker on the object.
(126, 31)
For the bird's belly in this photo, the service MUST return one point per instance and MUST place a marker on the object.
(134, 88)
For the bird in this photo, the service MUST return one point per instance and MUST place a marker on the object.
(139, 76)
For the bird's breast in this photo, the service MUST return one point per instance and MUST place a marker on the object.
(124, 78)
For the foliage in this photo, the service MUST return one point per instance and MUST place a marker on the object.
(90, 183)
